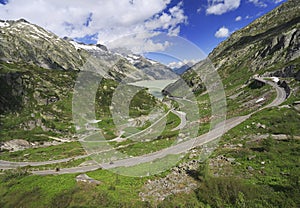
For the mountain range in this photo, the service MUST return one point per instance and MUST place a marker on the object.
(254, 164)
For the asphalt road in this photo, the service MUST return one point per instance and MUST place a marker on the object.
(281, 94)
(176, 149)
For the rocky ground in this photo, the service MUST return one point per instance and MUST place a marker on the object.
(20, 144)
(181, 179)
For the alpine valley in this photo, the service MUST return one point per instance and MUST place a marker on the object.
(45, 157)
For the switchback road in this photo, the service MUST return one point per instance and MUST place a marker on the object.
(175, 149)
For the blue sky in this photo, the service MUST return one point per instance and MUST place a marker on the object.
(201, 27)
(139, 24)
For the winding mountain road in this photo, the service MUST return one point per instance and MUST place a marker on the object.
(175, 149)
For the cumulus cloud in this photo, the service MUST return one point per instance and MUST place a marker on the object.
(223, 32)
(219, 7)
(107, 20)
(177, 65)
(238, 18)
(258, 3)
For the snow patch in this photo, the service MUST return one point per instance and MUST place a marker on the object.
(85, 47)
(260, 100)
(4, 24)
(152, 62)
(133, 56)
(131, 60)
(35, 29)
(275, 79)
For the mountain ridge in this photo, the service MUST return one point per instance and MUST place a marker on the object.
(258, 48)
(37, 46)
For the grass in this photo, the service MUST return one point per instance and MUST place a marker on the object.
(274, 183)
(37, 119)
(33, 191)
(63, 191)
(275, 163)
(172, 121)
(164, 140)
(29, 121)
(236, 107)
(294, 96)
(155, 167)
(142, 148)
(71, 163)
(55, 152)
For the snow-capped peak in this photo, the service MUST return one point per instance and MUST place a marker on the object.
(85, 47)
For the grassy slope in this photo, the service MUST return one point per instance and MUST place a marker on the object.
(63, 191)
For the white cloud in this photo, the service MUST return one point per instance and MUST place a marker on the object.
(223, 32)
(109, 19)
(278, 1)
(219, 7)
(139, 43)
(199, 10)
(177, 65)
(238, 18)
(258, 3)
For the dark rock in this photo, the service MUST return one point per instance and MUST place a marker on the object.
(255, 84)
(102, 47)
(285, 86)
(52, 99)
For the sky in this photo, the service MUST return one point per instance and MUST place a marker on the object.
(143, 26)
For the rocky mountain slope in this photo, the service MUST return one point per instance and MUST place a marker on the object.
(38, 71)
(273, 38)
(261, 150)
(153, 69)
(268, 44)
(129, 67)
(23, 42)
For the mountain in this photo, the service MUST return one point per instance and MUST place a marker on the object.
(153, 69)
(255, 164)
(271, 39)
(184, 67)
(38, 72)
(269, 44)
(130, 67)
(23, 42)
(181, 69)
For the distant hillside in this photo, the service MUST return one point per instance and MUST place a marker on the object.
(128, 67)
